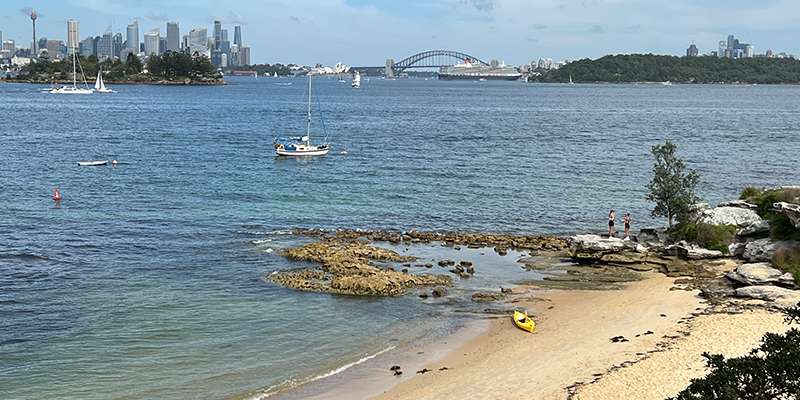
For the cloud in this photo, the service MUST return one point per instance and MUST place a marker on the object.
(539, 26)
(597, 29)
(231, 18)
(483, 5)
(27, 11)
(295, 19)
(151, 15)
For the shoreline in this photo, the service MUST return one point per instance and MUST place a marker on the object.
(571, 354)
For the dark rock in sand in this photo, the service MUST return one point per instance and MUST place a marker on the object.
(439, 292)
(487, 297)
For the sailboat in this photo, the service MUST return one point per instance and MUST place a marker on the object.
(356, 80)
(99, 86)
(301, 146)
(570, 80)
(74, 89)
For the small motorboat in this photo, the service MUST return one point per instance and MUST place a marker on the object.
(92, 163)
(523, 321)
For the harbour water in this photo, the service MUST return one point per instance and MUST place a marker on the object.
(146, 281)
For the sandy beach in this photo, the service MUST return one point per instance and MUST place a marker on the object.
(571, 354)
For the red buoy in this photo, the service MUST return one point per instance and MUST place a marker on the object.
(57, 196)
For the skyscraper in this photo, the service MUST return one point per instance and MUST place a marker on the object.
(151, 41)
(244, 55)
(198, 41)
(173, 36)
(237, 35)
(105, 46)
(692, 50)
(133, 36)
(34, 44)
(72, 36)
(217, 34)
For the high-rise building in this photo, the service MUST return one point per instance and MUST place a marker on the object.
(217, 34)
(692, 50)
(116, 45)
(132, 36)
(173, 36)
(151, 41)
(722, 47)
(54, 49)
(72, 36)
(237, 35)
(198, 41)
(224, 35)
(87, 46)
(105, 46)
(244, 56)
(162, 45)
(185, 43)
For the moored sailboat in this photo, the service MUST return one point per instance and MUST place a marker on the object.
(99, 86)
(301, 145)
(74, 89)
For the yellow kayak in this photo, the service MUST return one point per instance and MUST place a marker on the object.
(523, 321)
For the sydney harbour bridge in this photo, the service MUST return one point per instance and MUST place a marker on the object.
(426, 59)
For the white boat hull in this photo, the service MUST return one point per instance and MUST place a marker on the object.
(303, 151)
(71, 90)
(92, 163)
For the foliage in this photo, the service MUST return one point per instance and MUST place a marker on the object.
(781, 227)
(170, 66)
(788, 261)
(771, 371)
(750, 193)
(712, 237)
(689, 69)
(672, 190)
(263, 69)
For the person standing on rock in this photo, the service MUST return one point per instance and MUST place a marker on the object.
(611, 224)
(627, 226)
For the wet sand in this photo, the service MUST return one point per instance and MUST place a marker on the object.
(571, 351)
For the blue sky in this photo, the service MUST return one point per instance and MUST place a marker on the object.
(364, 32)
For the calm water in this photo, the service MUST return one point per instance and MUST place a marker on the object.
(146, 282)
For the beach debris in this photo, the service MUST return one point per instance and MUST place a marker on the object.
(424, 370)
(394, 368)
(423, 295)
(663, 315)
(443, 368)
(505, 290)
(618, 339)
(398, 372)
(645, 334)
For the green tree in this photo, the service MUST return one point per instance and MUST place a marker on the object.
(771, 371)
(671, 189)
(155, 66)
(133, 64)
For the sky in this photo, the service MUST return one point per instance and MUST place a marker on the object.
(367, 32)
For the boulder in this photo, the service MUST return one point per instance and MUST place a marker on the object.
(593, 246)
(756, 228)
(657, 238)
(790, 210)
(787, 279)
(740, 204)
(487, 296)
(729, 216)
(755, 274)
(762, 249)
(770, 293)
(692, 251)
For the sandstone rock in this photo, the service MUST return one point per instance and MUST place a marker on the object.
(692, 251)
(593, 246)
(656, 238)
(790, 210)
(756, 228)
(625, 257)
(439, 292)
(769, 293)
(486, 297)
(787, 279)
(740, 204)
(755, 274)
(762, 249)
(729, 216)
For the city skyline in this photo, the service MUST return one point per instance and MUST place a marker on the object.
(362, 32)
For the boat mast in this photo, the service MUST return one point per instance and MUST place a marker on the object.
(308, 130)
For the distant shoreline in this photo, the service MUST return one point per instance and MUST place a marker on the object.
(162, 82)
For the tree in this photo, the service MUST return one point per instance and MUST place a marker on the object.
(771, 371)
(133, 64)
(671, 188)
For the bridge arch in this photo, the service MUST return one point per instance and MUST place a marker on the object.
(430, 59)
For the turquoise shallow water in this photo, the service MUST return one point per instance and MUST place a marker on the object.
(147, 281)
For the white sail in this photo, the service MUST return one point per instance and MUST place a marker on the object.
(98, 84)
(357, 80)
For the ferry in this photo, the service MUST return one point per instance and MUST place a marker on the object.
(478, 72)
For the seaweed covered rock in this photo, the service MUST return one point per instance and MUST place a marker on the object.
(345, 269)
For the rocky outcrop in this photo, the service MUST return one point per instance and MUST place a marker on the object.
(728, 215)
(345, 269)
(756, 274)
(692, 251)
(756, 228)
(781, 297)
(593, 246)
(654, 238)
(762, 249)
(790, 210)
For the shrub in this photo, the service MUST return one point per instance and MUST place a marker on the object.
(791, 195)
(750, 193)
(788, 260)
(712, 237)
(765, 203)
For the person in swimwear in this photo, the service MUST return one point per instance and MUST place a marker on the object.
(627, 226)
(611, 224)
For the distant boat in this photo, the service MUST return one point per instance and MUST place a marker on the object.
(301, 146)
(356, 80)
(275, 76)
(74, 89)
(570, 80)
(667, 83)
(92, 163)
(99, 86)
